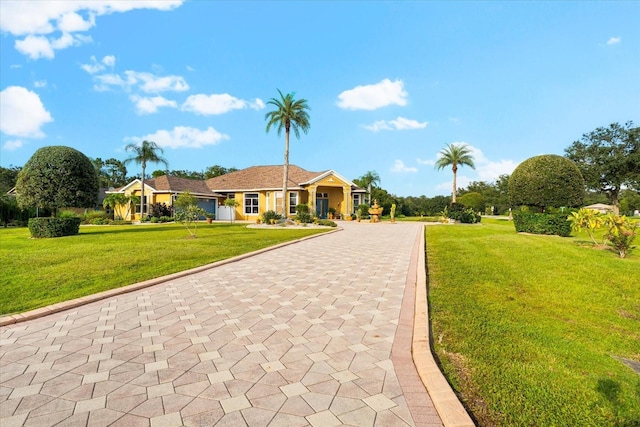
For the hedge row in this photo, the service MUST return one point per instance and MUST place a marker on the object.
(542, 223)
(54, 227)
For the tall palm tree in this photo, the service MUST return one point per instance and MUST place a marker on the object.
(150, 152)
(454, 155)
(368, 179)
(288, 114)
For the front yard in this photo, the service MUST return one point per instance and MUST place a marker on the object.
(534, 330)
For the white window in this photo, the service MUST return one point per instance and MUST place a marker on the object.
(251, 206)
(293, 202)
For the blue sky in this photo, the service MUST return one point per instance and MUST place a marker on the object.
(389, 83)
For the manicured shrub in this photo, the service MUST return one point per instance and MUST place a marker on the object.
(57, 177)
(303, 215)
(326, 222)
(269, 217)
(54, 227)
(546, 181)
(95, 217)
(463, 214)
(160, 209)
(541, 223)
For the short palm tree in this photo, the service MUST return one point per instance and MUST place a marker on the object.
(288, 114)
(368, 180)
(454, 155)
(148, 151)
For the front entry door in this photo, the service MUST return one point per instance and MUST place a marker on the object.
(322, 206)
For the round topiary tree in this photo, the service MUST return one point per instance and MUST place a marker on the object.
(472, 200)
(57, 177)
(546, 181)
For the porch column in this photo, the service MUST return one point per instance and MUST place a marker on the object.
(346, 191)
(312, 199)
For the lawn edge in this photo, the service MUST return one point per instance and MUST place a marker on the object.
(66, 305)
(451, 411)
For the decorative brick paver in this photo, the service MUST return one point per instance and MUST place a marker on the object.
(300, 335)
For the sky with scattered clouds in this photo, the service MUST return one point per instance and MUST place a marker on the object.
(389, 84)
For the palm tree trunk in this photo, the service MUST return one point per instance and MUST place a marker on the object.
(453, 193)
(142, 193)
(285, 177)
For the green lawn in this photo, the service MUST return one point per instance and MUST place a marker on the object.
(530, 329)
(39, 272)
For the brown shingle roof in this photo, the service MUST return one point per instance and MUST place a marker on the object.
(260, 177)
(174, 183)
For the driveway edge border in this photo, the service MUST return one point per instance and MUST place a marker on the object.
(449, 407)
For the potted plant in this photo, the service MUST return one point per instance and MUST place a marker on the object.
(210, 217)
(332, 212)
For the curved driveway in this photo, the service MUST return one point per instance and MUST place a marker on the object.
(299, 335)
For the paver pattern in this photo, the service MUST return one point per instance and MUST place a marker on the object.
(298, 336)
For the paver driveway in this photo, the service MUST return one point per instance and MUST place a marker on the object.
(301, 335)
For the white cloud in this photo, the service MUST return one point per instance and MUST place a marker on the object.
(399, 166)
(109, 60)
(218, 104)
(72, 22)
(13, 144)
(150, 105)
(462, 181)
(371, 97)
(490, 171)
(425, 162)
(40, 83)
(614, 40)
(400, 123)
(183, 137)
(39, 22)
(378, 126)
(35, 47)
(151, 83)
(487, 170)
(95, 66)
(22, 113)
(143, 81)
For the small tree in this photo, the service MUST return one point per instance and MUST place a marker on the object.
(116, 200)
(620, 233)
(233, 204)
(57, 177)
(146, 152)
(546, 181)
(588, 220)
(188, 212)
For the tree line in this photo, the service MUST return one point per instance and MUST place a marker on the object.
(608, 158)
